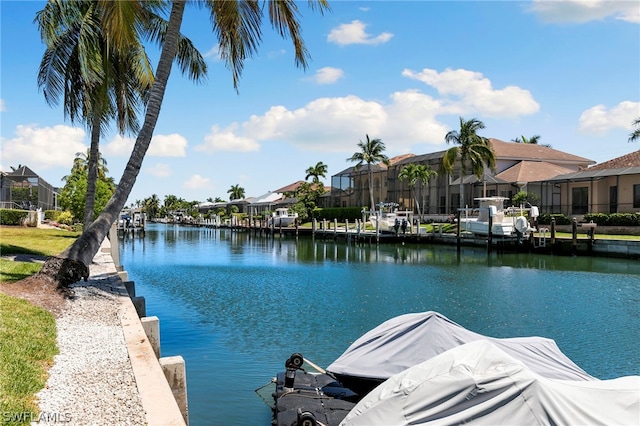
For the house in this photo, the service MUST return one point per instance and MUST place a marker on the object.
(24, 189)
(518, 166)
(350, 187)
(609, 187)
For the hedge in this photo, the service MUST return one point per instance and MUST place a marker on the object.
(340, 213)
(13, 217)
(613, 219)
(545, 219)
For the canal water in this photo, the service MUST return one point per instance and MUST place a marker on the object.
(235, 306)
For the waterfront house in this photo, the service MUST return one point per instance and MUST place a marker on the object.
(24, 189)
(609, 187)
(517, 166)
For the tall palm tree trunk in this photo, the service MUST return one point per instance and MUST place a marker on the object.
(92, 175)
(370, 173)
(80, 254)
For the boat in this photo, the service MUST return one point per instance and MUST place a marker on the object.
(407, 340)
(329, 396)
(387, 218)
(505, 222)
(478, 383)
(283, 217)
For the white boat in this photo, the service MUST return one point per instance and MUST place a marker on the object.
(506, 222)
(479, 383)
(407, 340)
(283, 217)
(388, 219)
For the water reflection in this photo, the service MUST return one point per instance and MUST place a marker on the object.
(235, 305)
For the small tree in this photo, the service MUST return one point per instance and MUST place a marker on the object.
(524, 197)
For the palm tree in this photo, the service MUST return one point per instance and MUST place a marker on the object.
(534, 140)
(151, 206)
(371, 151)
(236, 192)
(635, 135)
(317, 171)
(237, 25)
(472, 149)
(81, 164)
(415, 173)
(102, 75)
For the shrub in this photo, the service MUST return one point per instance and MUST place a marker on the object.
(561, 219)
(52, 215)
(340, 213)
(13, 217)
(613, 219)
(65, 218)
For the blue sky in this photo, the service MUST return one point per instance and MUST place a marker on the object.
(403, 72)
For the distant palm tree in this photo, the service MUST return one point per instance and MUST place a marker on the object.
(236, 192)
(371, 151)
(415, 173)
(151, 206)
(635, 135)
(473, 150)
(534, 140)
(317, 171)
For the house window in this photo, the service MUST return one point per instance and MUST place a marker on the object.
(636, 196)
(579, 200)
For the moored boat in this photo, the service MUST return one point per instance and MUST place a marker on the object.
(505, 222)
(480, 384)
(283, 217)
(328, 397)
(389, 219)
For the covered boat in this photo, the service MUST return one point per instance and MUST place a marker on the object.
(410, 339)
(479, 383)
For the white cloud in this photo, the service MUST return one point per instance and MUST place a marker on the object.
(226, 140)
(323, 124)
(354, 33)
(213, 53)
(118, 147)
(159, 170)
(42, 148)
(197, 182)
(598, 119)
(409, 117)
(581, 11)
(328, 75)
(2, 107)
(469, 91)
(173, 145)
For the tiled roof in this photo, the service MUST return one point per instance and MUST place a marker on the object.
(531, 171)
(630, 160)
(527, 151)
(290, 188)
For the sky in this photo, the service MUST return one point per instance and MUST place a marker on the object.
(401, 71)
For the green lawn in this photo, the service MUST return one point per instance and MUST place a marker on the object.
(27, 332)
(44, 242)
(27, 348)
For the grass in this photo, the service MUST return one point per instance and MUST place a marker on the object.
(38, 241)
(11, 271)
(27, 348)
(27, 332)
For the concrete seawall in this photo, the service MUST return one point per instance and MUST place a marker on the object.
(161, 382)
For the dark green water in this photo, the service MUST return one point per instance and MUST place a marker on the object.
(236, 307)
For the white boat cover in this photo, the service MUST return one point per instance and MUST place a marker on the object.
(410, 339)
(480, 384)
